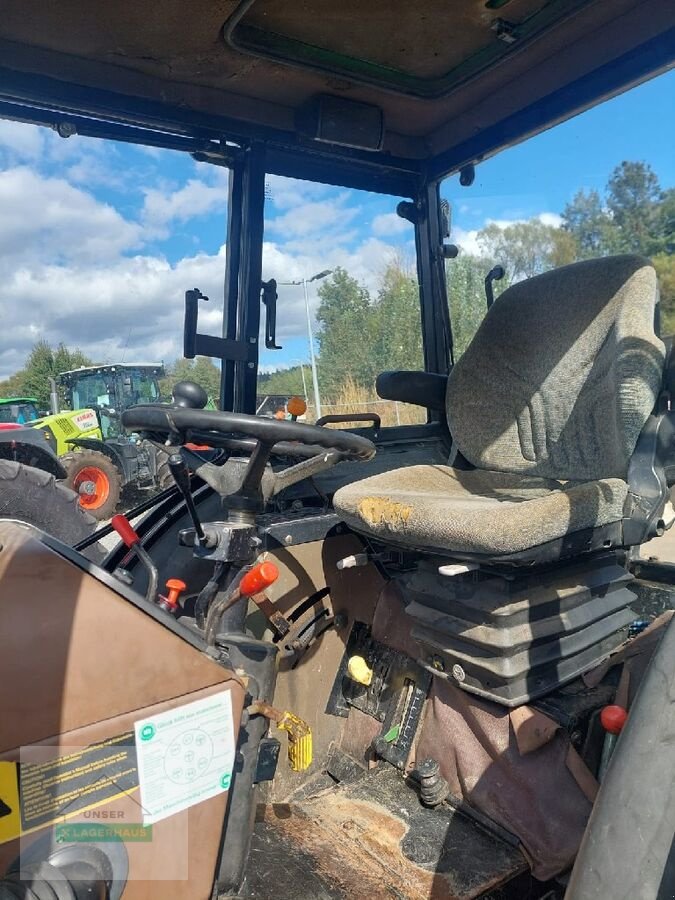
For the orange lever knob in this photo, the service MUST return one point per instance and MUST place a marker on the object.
(259, 578)
(176, 587)
(125, 530)
(613, 718)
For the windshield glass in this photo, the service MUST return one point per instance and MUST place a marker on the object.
(91, 390)
(601, 184)
(124, 387)
(348, 303)
(18, 412)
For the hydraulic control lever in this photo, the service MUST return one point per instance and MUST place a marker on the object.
(129, 537)
(252, 584)
(181, 475)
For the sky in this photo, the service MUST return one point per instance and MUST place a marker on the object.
(100, 240)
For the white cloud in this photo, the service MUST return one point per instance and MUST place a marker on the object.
(310, 218)
(132, 305)
(468, 240)
(21, 141)
(390, 224)
(289, 193)
(549, 218)
(43, 219)
(193, 199)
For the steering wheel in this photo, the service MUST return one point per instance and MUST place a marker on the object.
(231, 430)
(319, 448)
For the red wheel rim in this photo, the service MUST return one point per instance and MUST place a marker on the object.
(93, 486)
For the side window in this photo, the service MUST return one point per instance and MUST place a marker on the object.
(348, 301)
(589, 187)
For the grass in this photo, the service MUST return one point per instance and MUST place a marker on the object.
(354, 398)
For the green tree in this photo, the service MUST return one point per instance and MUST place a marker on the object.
(633, 198)
(465, 283)
(42, 364)
(590, 224)
(396, 314)
(527, 248)
(285, 381)
(201, 370)
(346, 333)
(13, 386)
(663, 236)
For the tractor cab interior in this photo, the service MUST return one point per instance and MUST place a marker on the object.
(332, 662)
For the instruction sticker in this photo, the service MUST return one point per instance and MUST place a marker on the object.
(185, 755)
(40, 791)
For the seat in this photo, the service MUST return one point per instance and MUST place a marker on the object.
(546, 407)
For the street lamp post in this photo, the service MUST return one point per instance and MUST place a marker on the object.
(310, 336)
(302, 373)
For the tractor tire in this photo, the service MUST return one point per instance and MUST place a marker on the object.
(96, 480)
(164, 476)
(35, 497)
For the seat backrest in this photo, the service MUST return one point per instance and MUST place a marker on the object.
(562, 373)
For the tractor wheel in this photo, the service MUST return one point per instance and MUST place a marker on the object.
(97, 480)
(34, 496)
(164, 476)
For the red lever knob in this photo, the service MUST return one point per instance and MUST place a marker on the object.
(259, 578)
(123, 527)
(613, 718)
(176, 587)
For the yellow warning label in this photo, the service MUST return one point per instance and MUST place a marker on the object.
(10, 815)
(40, 793)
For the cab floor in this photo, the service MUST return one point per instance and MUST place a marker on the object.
(374, 839)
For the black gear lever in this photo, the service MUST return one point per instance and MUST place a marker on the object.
(189, 395)
(181, 475)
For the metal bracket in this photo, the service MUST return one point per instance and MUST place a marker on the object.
(195, 344)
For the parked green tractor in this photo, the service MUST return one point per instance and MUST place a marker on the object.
(18, 410)
(99, 457)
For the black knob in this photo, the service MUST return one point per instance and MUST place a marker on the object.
(190, 395)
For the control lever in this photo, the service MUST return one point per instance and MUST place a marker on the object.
(169, 603)
(129, 537)
(612, 718)
(251, 585)
(181, 475)
(189, 395)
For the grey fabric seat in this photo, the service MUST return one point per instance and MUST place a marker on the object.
(547, 403)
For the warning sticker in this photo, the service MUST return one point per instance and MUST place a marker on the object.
(185, 756)
(38, 793)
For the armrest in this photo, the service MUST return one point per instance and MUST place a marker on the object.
(420, 388)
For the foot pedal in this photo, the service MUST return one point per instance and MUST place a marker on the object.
(300, 750)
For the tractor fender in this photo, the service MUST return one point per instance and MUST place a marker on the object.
(32, 454)
(101, 447)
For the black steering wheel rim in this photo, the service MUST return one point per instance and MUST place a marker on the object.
(220, 427)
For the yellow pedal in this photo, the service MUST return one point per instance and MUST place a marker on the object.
(300, 750)
(359, 670)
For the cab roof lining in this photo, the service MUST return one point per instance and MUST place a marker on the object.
(180, 68)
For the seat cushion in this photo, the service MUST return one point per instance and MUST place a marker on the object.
(476, 511)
